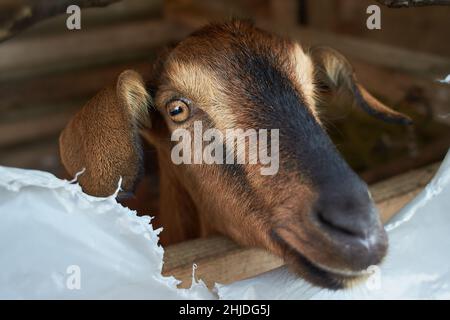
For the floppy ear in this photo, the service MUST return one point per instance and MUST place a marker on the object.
(103, 137)
(335, 71)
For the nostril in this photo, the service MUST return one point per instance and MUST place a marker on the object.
(337, 226)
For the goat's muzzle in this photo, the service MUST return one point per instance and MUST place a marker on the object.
(340, 236)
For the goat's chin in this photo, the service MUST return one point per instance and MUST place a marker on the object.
(323, 276)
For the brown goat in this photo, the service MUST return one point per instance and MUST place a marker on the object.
(315, 212)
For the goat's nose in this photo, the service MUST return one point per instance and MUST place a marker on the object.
(349, 218)
(347, 211)
(347, 215)
(351, 214)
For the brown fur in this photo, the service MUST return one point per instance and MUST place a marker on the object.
(102, 138)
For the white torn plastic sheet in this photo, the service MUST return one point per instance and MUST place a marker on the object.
(445, 80)
(417, 265)
(58, 243)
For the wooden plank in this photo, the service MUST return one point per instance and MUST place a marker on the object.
(69, 50)
(392, 194)
(39, 155)
(55, 89)
(423, 64)
(29, 129)
(220, 260)
(75, 49)
(415, 29)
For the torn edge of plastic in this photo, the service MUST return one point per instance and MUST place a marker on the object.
(79, 173)
(445, 80)
(435, 187)
(14, 179)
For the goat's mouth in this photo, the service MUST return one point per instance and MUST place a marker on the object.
(319, 274)
(326, 277)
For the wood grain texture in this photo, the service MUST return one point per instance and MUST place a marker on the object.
(72, 50)
(62, 52)
(28, 129)
(220, 260)
(424, 64)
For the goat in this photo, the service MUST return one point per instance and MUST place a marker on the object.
(315, 212)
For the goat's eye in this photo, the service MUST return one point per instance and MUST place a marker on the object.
(178, 111)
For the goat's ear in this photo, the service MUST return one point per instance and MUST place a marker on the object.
(103, 138)
(334, 71)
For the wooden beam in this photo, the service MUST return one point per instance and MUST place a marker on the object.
(71, 50)
(426, 65)
(56, 89)
(220, 260)
(62, 52)
(28, 129)
(392, 194)
(39, 155)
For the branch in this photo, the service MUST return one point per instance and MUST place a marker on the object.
(17, 15)
(413, 3)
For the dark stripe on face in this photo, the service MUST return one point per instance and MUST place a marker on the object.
(234, 172)
(266, 98)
